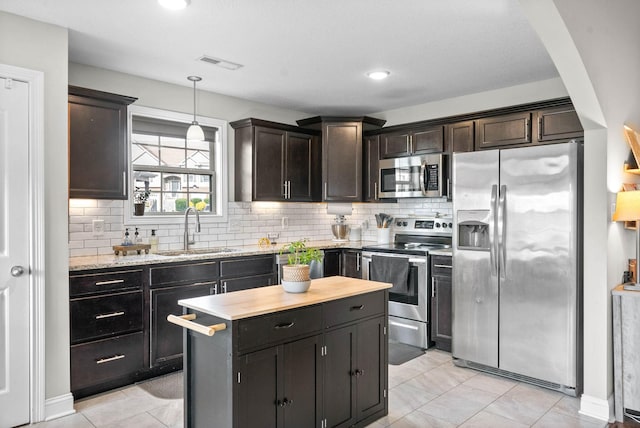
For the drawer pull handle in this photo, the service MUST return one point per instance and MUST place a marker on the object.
(356, 308)
(288, 325)
(114, 314)
(113, 281)
(443, 266)
(186, 321)
(109, 359)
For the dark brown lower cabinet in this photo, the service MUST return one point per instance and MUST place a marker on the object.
(296, 375)
(166, 338)
(282, 386)
(355, 387)
(441, 303)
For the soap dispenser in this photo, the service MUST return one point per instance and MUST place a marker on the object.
(138, 239)
(127, 240)
(153, 241)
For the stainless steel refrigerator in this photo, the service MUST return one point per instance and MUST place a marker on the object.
(517, 283)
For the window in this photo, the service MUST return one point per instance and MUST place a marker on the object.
(179, 173)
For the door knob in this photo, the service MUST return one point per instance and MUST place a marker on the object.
(17, 270)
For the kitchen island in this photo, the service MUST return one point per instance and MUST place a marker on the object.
(276, 359)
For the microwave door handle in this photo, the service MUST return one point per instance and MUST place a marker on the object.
(423, 178)
(492, 232)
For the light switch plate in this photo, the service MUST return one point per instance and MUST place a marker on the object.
(98, 227)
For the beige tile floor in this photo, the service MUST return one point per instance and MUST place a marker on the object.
(428, 391)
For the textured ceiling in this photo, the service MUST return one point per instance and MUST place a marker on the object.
(308, 55)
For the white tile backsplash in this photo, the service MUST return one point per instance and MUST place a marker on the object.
(255, 220)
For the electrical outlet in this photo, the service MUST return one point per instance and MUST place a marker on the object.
(234, 226)
(98, 227)
(285, 222)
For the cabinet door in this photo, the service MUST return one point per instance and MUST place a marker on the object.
(460, 137)
(331, 264)
(299, 166)
(257, 393)
(342, 161)
(508, 130)
(166, 338)
(268, 161)
(371, 165)
(97, 149)
(352, 264)
(428, 140)
(441, 312)
(339, 380)
(560, 123)
(370, 368)
(301, 396)
(395, 144)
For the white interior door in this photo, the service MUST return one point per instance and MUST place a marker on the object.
(14, 253)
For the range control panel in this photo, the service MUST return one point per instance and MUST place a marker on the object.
(433, 225)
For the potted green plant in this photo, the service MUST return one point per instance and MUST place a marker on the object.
(140, 197)
(295, 275)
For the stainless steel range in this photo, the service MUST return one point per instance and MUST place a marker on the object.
(405, 264)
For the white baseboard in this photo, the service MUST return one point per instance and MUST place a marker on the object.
(597, 408)
(59, 406)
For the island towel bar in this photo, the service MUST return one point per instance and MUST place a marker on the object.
(186, 321)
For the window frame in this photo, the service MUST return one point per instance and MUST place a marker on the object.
(221, 168)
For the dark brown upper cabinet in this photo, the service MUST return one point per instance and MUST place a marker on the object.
(97, 144)
(560, 123)
(508, 130)
(342, 155)
(412, 142)
(276, 162)
(459, 137)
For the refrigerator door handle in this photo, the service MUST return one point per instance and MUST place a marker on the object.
(502, 231)
(493, 260)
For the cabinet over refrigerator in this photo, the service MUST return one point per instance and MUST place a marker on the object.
(517, 283)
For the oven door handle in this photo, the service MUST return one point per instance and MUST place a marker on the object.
(367, 258)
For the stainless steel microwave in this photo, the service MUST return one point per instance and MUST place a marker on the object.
(414, 177)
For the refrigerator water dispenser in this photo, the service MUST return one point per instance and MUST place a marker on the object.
(473, 230)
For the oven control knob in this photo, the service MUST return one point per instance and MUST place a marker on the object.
(444, 225)
(399, 223)
(437, 224)
(404, 223)
(451, 225)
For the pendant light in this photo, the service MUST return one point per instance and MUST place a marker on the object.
(195, 133)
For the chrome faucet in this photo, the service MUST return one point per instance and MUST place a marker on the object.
(186, 227)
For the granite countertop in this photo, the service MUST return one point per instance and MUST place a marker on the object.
(265, 300)
(111, 260)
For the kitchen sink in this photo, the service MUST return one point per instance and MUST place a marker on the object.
(197, 251)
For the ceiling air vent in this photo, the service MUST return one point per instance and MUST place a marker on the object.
(220, 62)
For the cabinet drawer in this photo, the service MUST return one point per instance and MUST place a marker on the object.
(94, 317)
(247, 266)
(106, 360)
(441, 266)
(184, 274)
(353, 308)
(93, 283)
(278, 327)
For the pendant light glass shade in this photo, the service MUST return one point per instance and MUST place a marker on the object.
(195, 132)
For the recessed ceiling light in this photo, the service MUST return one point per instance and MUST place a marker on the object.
(378, 75)
(174, 4)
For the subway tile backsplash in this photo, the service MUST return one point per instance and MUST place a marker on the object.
(246, 223)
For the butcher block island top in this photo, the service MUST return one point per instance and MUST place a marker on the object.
(266, 300)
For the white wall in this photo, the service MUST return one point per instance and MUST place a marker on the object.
(594, 46)
(37, 46)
